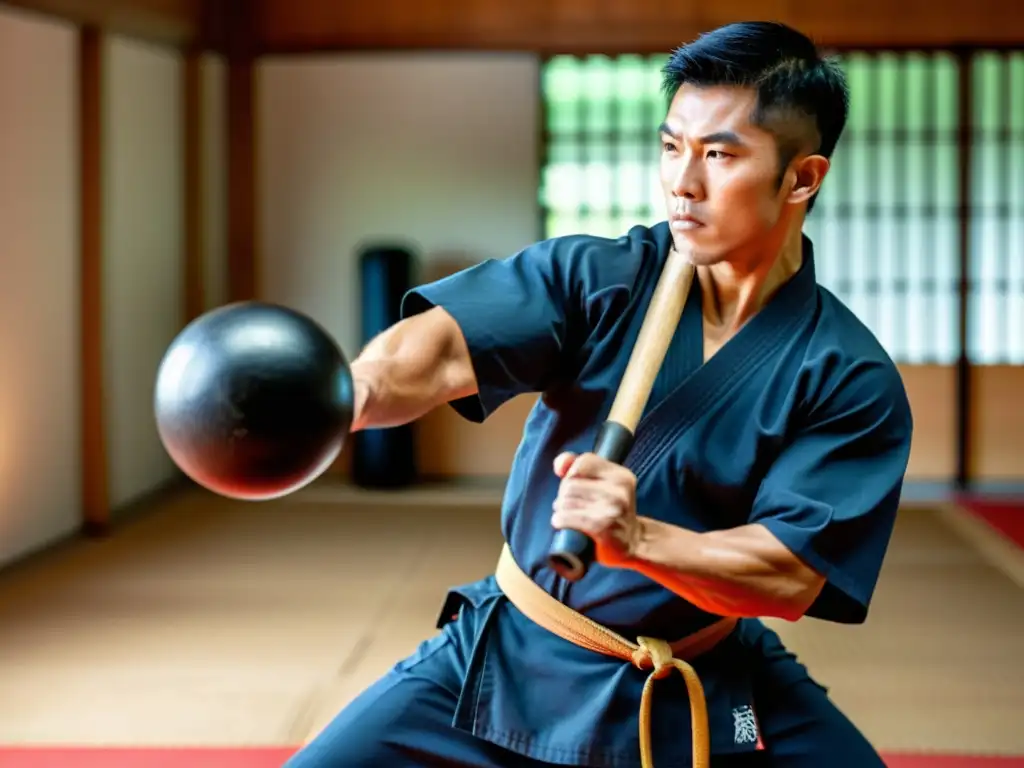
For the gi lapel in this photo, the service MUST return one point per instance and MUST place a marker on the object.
(754, 345)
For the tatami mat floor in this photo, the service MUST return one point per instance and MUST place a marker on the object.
(211, 622)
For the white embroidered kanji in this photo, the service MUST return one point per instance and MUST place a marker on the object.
(744, 725)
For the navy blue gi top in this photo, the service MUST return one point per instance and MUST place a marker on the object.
(800, 423)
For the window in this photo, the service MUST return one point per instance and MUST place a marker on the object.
(887, 222)
(601, 174)
(996, 303)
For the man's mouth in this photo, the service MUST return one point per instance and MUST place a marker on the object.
(684, 222)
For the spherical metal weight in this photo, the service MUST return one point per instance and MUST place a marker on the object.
(253, 400)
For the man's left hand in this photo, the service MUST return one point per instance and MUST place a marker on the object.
(598, 497)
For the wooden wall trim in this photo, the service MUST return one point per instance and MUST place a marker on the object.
(614, 26)
(996, 424)
(95, 494)
(194, 208)
(170, 22)
(965, 153)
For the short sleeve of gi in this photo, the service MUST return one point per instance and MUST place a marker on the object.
(520, 317)
(833, 494)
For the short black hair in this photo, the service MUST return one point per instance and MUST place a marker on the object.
(785, 68)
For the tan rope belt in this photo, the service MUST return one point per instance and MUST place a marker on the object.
(647, 653)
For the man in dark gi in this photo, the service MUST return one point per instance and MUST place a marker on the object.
(764, 480)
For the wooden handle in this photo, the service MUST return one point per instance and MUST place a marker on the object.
(572, 552)
(652, 342)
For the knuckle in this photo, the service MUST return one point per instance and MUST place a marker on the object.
(569, 487)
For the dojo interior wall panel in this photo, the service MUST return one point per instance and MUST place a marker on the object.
(40, 372)
(143, 252)
(436, 152)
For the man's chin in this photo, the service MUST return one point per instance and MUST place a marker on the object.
(699, 252)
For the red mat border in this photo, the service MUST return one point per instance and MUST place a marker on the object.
(275, 757)
(1004, 516)
(141, 757)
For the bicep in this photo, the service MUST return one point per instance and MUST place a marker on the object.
(433, 342)
(832, 496)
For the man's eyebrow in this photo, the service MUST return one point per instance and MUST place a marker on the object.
(721, 137)
(666, 130)
(718, 137)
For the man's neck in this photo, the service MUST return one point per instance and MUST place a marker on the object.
(733, 292)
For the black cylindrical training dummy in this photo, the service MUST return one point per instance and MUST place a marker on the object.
(253, 400)
(384, 457)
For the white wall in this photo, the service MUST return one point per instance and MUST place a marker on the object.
(439, 151)
(215, 180)
(40, 489)
(143, 253)
(143, 264)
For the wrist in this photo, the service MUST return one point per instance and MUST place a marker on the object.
(657, 543)
(640, 551)
(362, 397)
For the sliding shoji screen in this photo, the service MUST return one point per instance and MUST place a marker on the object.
(996, 206)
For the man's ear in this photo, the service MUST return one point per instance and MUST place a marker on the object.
(806, 176)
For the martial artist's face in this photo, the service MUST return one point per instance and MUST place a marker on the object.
(726, 195)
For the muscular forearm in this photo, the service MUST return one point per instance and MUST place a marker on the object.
(410, 369)
(743, 571)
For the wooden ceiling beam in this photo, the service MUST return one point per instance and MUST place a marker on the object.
(617, 26)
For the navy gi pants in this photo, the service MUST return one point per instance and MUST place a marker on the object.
(405, 718)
